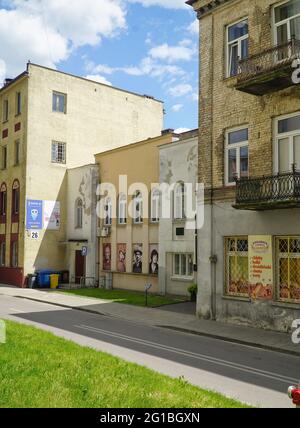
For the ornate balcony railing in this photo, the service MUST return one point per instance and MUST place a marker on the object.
(269, 192)
(270, 59)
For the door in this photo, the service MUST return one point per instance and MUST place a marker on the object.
(79, 266)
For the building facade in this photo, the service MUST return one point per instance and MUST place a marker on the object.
(249, 162)
(52, 122)
(177, 255)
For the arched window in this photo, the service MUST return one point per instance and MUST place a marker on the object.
(78, 213)
(138, 207)
(122, 211)
(3, 199)
(179, 201)
(16, 198)
(155, 205)
(2, 253)
(108, 212)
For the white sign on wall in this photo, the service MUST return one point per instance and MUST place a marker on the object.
(51, 215)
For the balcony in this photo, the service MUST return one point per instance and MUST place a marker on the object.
(269, 192)
(268, 71)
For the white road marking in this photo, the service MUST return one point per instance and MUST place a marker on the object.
(217, 361)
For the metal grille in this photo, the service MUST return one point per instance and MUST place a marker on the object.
(288, 268)
(236, 266)
(58, 152)
(268, 60)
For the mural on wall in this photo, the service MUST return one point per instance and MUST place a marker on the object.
(137, 266)
(107, 257)
(260, 267)
(85, 193)
(121, 258)
(153, 259)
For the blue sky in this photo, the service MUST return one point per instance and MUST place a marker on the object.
(144, 46)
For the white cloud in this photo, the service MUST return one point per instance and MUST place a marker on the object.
(167, 4)
(47, 32)
(194, 27)
(2, 72)
(181, 130)
(171, 53)
(99, 79)
(177, 107)
(180, 90)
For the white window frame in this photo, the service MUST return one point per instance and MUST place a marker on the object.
(79, 214)
(278, 24)
(238, 147)
(237, 41)
(155, 205)
(108, 210)
(179, 201)
(56, 145)
(122, 209)
(59, 94)
(138, 213)
(278, 137)
(183, 275)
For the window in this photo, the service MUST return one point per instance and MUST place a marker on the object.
(288, 268)
(179, 201)
(16, 198)
(17, 152)
(14, 254)
(5, 111)
(122, 218)
(138, 208)
(18, 103)
(287, 143)
(183, 265)
(108, 212)
(3, 200)
(59, 102)
(236, 155)
(2, 253)
(237, 46)
(236, 266)
(287, 21)
(78, 213)
(155, 205)
(4, 158)
(58, 154)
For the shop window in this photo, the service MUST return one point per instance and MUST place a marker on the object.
(288, 268)
(236, 266)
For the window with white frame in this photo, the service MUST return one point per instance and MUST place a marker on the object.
(287, 21)
(122, 209)
(183, 265)
(2, 253)
(78, 213)
(236, 155)
(5, 111)
(58, 152)
(287, 143)
(179, 201)
(108, 212)
(138, 208)
(59, 102)
(237, 45)
(155, 205)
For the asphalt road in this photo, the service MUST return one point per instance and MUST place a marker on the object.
(252, 375)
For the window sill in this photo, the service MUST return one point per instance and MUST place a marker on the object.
(237, 298)
(121, 224)
(286, 305)
(182, 278)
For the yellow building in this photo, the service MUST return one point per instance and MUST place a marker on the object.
(129, 223)
(51, 122)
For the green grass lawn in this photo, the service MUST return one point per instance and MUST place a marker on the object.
(124, 296)
(39, 369)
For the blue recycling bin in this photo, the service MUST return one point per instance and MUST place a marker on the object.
(43, 278)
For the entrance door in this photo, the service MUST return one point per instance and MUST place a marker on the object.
(79, 266)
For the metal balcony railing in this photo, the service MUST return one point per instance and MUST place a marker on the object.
(268, 60)
(270, 191)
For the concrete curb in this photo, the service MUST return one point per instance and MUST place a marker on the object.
(170, 327)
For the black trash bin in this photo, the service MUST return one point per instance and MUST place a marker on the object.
(32, 280)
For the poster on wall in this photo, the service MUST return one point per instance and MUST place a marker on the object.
(34, 215)
(51, 215)
(260, 267)
(121, 258)
(153, 259)
(137, 265)
(107, 257)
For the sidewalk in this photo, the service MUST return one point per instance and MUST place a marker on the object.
(264, 339)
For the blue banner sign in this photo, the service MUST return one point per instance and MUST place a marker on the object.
(34, 215)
